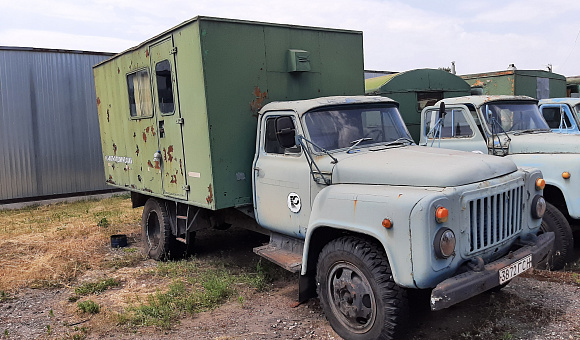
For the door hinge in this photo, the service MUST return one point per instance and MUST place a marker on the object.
(173, 51)
(186, 188)
(180, 121)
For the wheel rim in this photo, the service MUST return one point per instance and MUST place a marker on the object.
(153, 231)
(351, 297)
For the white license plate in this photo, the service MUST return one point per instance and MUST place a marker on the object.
(515, 269)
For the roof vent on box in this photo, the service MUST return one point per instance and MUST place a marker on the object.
(298, 61)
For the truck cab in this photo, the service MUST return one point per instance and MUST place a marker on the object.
(512, 127)
(339, 181)
(561, 114)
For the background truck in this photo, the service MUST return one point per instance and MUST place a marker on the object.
(349, 203)
(562, 114)
(512, 126)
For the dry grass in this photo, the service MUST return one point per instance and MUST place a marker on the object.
(47, 246)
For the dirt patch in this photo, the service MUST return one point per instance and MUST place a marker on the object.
(539, 305)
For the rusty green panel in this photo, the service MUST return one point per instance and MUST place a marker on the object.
(416, 89)
(224, 72)
(517, 82)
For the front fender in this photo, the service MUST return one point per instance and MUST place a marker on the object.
(362, 209)
(552, 167)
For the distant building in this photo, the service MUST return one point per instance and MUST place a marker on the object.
(49, 129)
(538, 84)
(416, 89)
(573, 86)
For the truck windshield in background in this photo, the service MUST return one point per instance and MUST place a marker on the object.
(338, 128)
(514, 116)
(577, 108)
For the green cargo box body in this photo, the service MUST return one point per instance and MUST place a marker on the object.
(222, 72)
(537, 84)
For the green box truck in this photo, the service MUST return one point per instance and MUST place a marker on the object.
(217, 119)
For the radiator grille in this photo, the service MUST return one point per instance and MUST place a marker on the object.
(495, 218)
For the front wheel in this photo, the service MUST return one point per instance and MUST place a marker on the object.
(357, 290)
(563, 247)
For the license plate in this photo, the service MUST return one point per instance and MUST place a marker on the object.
(515, 269)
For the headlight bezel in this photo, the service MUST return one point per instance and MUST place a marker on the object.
(444, 243)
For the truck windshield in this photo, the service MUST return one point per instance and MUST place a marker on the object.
(513, 116)
(577, 108)
(341, 127)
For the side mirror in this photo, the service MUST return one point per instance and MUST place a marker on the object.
(442, 110)
(285, 132)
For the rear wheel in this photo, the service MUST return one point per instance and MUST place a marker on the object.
(157, 236)
(563, 248)
(357, 290)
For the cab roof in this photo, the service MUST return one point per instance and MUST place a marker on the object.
(482, 100)
(567, 100)
(303, 106)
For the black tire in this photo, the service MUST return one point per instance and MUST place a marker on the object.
(348, 266)
(563, 248)
(157, 236)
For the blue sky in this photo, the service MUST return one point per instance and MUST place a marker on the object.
(480, 36)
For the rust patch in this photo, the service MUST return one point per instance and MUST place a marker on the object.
(173, 179)
(209, 198)
(355, 201)
(144, 137)
(98, 101)
(147, 129)
(115, 149)
(169, 153)
(137, 151)
(108, 116)
(478, 82)
(149, 164)
(147, 53)
(164, 155)
(118, 70)
(258, 102)
(181, 166)
(133, 186)
(157, 165)
(153, 131)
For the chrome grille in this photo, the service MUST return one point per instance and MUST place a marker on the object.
(495, 218)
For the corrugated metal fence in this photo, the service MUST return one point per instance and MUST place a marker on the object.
(49, 129)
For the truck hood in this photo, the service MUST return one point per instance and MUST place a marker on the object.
(544, 143)
(419, 166)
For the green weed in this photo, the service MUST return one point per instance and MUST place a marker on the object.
(89, 306)
(96, 287)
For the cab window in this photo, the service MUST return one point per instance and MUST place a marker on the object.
(556, 117)
(271, 144)
(453, 125)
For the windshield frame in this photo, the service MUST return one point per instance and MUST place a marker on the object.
(334, 123)
(536, 119)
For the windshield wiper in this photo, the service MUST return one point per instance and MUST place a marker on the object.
(357, 142)
(521, 132)
(400, 140)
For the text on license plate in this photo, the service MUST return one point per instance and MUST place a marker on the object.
(515, 269)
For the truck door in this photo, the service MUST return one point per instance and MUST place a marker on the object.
(281, 183)
(168, 115)
(457, 129)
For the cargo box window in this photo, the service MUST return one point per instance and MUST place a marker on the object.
(164, 86)
(139, 94)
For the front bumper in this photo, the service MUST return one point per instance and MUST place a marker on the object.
(466, 285)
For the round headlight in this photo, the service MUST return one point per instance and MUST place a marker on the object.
(444, 243)
(538, 206)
